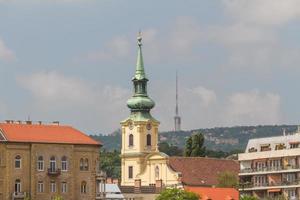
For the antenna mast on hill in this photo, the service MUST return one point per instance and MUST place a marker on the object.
(177, 119)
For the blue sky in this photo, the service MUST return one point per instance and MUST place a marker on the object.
(72, 61)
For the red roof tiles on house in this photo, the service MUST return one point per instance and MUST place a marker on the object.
(199, 171)
(35, 133)
(214, 193)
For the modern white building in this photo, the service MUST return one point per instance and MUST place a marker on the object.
(271, 167)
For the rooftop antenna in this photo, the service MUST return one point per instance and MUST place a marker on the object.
(177, 119)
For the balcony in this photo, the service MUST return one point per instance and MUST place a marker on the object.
(54, 172)
(18, 195)
(269, 170)
(264, 186)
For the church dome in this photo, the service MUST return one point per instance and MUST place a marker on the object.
(140, 103)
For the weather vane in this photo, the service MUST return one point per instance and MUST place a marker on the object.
(139, 38)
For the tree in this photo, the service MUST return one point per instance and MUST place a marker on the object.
(227, 179)
(177, 194)
(169, 149)
(247, 197)
(188, 147)
(58, 197)
(110, 163)
(194, 146)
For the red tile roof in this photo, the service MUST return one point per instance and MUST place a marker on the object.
(206, 193)
(199, 171)
(35, 133)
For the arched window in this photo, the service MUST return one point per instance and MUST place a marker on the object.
(81, 164)
(83, 187)
(157, 172)
(17, 186)
(86, 164)
(52, 164)
(64, 163)
(130, 140)
(40, 163)
(148, 139)
(18, 162)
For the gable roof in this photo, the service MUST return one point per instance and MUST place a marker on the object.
(214, 193)
(199, 171)
(35, 133)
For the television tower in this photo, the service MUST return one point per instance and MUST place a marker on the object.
(177, 119)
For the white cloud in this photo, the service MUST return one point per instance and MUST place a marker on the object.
(117, 48)
(207, 96)
(263, 12)
(5, 53)
(75, 100)
(252, 107)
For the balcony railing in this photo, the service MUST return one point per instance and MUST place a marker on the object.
(282, 183)
(269, 169)
(19, 195)
(54, 172)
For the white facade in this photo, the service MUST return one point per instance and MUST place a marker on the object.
(271, 167)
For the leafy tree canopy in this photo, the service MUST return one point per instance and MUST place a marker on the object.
(177, 194)
(227, 179)
(194, 146)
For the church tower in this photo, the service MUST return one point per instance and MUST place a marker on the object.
(140, 129)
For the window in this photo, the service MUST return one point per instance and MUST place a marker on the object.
(157, 172)
(290, 177)
(81, 164)
(18, 162)
(280, 146)
(40, 187)
(275, 164)
(40, 163)
(130, 172)
(64, 187)
(86, 164)
(260, 166)
(260, 180)
(130, 140)
(294, 145)
(148, 139)
(83, 187)
(52, 164)
(291, 193)
(265, 147)
(52, 186)
(17, 186)
(64, 163)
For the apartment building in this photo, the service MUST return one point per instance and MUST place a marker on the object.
(271, 167)
(42, 161)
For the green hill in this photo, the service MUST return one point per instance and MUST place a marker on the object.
(220, 138)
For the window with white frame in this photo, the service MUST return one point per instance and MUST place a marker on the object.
(40, 163)
(52, 164)
(18, 162)
(64, 188)
(86, 164)
(291, 194)
(17, 186)
(260, 180)
(83, 188)
(40, 187)
(52, 186)
(64, 164)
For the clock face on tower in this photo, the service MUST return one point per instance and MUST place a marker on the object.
(148, 126)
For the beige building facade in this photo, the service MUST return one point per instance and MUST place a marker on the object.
(41, 169)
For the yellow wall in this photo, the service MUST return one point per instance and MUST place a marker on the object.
(142, 158)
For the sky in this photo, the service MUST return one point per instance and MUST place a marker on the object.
(72, 61)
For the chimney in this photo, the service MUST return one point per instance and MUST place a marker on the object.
(40, 122)
(56, 123)
(109, 180)
(19, 122)
(28, 122)
(116, 181)
(7, 121)
(137, 185)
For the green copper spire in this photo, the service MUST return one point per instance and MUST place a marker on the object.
(140, 71)
(140, 103)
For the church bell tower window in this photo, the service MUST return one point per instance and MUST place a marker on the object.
(130, 140)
